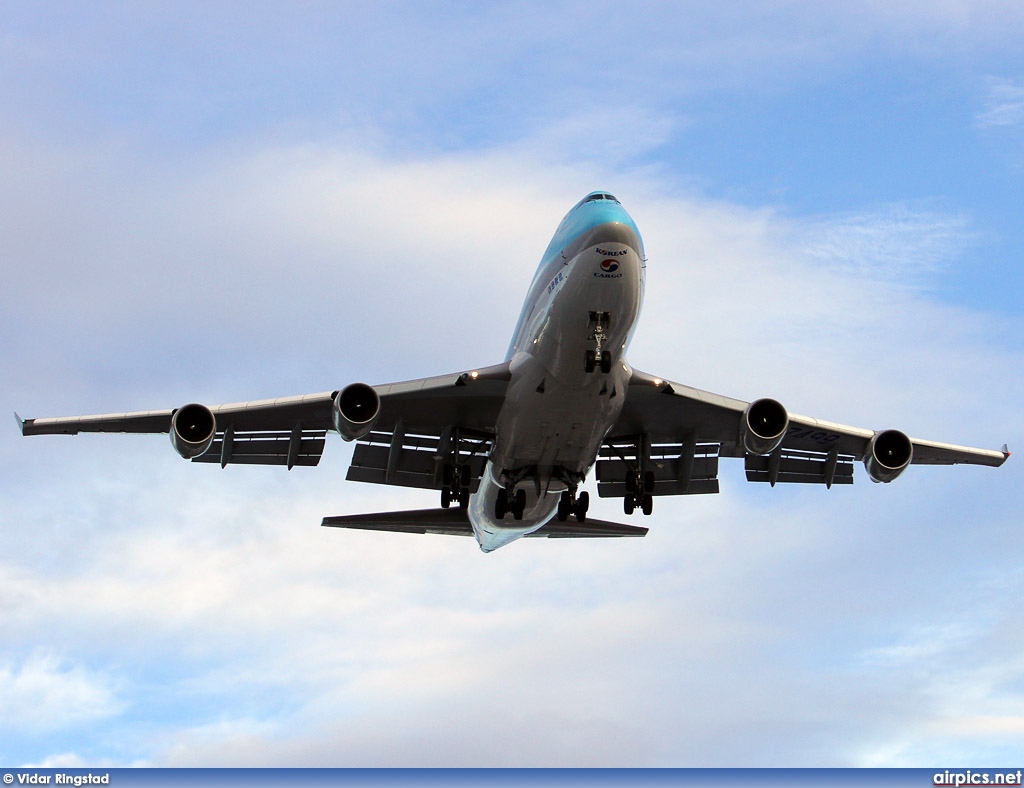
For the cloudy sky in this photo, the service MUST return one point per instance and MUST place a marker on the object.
(231, 201)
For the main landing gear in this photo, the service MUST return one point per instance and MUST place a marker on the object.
(570, 503)
(592, 359)
(639, 492)
(455, 480)
(510, 500)
(513, 501)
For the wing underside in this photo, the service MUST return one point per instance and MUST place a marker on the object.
(677, 434)
(422, 424)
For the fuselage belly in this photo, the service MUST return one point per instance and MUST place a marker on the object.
(586, 296)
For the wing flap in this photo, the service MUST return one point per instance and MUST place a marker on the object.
(302, 447)
(789, 466)
(407, 460)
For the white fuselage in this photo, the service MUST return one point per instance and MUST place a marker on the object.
(586, 296)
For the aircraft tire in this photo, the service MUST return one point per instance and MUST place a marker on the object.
(519, 507)
(647, 504)
(628, 503)
(446, 497)
(564, 506)
(582, 505)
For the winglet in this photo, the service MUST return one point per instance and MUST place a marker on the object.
(1006, 452)
(21, 422)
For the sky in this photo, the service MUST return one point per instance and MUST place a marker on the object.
(220, 202)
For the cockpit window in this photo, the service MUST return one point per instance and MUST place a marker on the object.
(600, 196)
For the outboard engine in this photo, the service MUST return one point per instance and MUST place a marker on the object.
(764, 425)
(355, 411)
(193, 429)
(889, 454)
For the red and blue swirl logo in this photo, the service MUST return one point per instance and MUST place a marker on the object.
(608, 265)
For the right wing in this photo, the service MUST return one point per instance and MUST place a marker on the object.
(419, 422)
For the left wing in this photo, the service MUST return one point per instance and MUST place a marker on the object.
(678, 433)
(445, 413)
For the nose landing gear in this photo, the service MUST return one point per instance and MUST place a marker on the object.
(592, 359)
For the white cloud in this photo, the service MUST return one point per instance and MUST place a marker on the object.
(788, 627)
(45, 693)
(283, 643)
(1004, 105)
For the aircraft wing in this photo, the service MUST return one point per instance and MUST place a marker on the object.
(455, 522)
(686, 430)
(291, 430)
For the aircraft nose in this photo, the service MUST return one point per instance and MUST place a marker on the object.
(615, 232)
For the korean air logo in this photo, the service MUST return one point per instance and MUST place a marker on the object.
(608, 265)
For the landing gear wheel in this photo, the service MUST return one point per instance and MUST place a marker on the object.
(589, 361)
(446, 497)
(606, 361)
(447, 475)
(582, 504)
(628, 503)
(464, 498)
(649, 482)
(647, 504)
(501, 505)
(565, 506)
(520, 504)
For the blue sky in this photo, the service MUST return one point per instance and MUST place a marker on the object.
(221, 202)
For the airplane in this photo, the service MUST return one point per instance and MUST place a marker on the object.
(510, 444)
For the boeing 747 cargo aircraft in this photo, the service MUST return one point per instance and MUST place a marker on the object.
(508, 446)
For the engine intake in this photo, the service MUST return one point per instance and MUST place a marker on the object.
(355, 411)
(765, 422)
(889, 454)
(193, 428)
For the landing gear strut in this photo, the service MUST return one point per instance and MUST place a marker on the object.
(639, 492)
(593, 358)
(456, 480)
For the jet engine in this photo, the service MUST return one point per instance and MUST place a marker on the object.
(765, 422)
(355, 411)
(889, 454)
(193, 428)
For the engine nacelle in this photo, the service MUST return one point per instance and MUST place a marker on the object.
(355, 411)
(193, 429)
(765, 422)
(889, 454)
